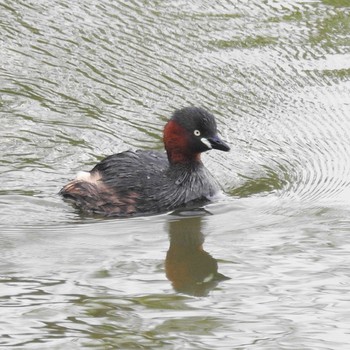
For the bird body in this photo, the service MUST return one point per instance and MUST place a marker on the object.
(146, 182)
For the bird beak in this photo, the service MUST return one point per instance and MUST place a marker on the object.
(217, 143)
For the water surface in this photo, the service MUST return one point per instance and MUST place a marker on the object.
(267, 268)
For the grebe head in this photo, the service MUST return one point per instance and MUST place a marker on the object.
(189, 132)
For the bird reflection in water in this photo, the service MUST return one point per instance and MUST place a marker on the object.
(191, 270)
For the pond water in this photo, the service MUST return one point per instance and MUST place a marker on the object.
(266, 268)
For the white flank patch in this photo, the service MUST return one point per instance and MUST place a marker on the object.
(88, 177)
(83, 175)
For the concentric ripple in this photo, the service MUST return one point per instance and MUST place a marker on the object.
(83, 79)
(290, 104)
(80, 81)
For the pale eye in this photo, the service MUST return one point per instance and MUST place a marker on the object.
(197, 132)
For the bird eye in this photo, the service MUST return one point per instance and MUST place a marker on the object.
(197, 132)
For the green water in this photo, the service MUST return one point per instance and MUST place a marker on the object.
(266, 268)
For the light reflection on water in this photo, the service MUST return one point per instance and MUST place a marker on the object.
(82, 80)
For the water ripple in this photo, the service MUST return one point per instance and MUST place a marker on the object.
(80, 80)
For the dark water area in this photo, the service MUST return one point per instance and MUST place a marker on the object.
(267, 267)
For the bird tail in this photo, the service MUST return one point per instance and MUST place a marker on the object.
(82, 193)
